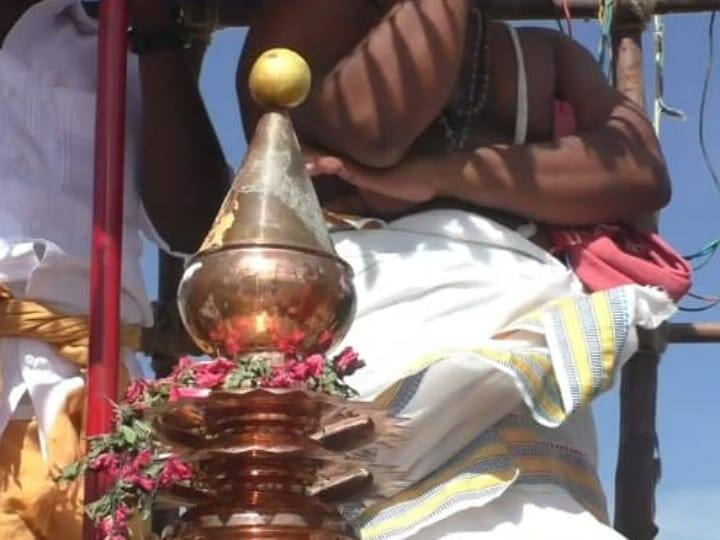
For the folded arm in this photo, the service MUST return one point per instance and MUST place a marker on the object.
(611, 170)
(381, 76)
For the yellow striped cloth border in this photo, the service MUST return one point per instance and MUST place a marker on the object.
(582, 340)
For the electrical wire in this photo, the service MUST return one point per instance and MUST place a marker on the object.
(702, 264)
(710, 302)
(705, 254)
(661, 108)
(703, 101)
(568, 17)
(606, 15)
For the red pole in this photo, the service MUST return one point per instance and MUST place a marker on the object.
(106, 259)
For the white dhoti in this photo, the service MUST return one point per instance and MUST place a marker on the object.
(488, 348)
(523, 513)
(47, 124)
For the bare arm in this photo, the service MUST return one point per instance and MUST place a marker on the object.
(183, 173)
(379, 78)
(611, 170)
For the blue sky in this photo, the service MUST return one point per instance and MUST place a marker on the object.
(689, 493)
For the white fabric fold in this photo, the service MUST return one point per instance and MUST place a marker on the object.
(436, 292)
(34, 368)
(522, 513)
(47, 132)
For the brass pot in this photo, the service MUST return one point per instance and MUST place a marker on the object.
(251, 299)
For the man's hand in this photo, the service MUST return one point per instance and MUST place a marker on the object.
(386, 191)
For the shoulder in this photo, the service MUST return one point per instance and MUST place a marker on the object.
(530, 37)
(538, 46)
(538, 50)
(537, 43)
(569, 62)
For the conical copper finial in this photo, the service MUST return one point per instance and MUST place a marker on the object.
(267, 275)
(272, 201)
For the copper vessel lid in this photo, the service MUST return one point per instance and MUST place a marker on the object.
(272, 201)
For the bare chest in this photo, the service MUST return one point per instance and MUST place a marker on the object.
(498, 121)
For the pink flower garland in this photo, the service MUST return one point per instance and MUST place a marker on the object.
(141, 466)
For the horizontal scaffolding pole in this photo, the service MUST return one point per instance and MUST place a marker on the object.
(588, 9)
(708, 332)
(239, 13)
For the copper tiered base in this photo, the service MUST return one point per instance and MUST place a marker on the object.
(274, 463)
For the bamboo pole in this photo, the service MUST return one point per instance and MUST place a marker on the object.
(637, 467)
(693, 332)
(106, 258)
(588, 9)
(240, 13)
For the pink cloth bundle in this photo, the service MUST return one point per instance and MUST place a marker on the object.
(606, 256)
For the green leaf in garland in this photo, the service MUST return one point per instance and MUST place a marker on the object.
(100, 445)
(128, 435)
(100, 508)
(145, 507)
(154, 469)
(237, 378)
(143, 429)
(71, 472)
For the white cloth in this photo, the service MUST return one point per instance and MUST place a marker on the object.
(432, 288)
(424, 278)
(522, 513)
(522, 106)
(47, 129)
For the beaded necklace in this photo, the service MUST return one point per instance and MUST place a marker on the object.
(456, 120)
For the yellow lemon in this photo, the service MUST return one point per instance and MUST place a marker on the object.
(280, 78)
